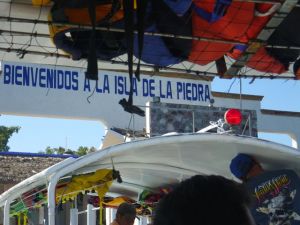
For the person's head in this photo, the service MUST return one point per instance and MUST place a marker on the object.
(126, 214)
(205, 200)
(244, 166)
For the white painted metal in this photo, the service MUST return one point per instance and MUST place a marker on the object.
(91, 215)
(210, 127)
(74, 216)
(6, 211)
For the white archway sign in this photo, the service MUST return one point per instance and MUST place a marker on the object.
(62, 92)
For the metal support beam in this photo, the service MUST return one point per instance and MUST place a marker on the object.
(6, 212)
(74, 216)
(90, 215)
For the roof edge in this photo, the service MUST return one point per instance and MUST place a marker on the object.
(31, 154)
(237, 96)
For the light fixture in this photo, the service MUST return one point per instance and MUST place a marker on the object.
(233, 117)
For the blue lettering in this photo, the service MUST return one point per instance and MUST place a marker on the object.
(145, 88)
(120, 85)
(188, 91)
(34, 75)
(7, 71)
(42, 77)
(51, 78)
(200, 92)
(18, 75)
(86, 85)
(60, 79)
(74, 80)
(67, 80)
(207, 95)
(152, 87)
(194, 92)
(179, 89)
(26, 79)
(106, 84)
(169, 90)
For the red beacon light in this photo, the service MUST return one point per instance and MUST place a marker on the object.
(233, 117)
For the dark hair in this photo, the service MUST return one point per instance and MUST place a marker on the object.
(126, 209)
(204, 200)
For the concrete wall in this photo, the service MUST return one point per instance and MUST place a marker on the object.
(165, 118)
(280, 122)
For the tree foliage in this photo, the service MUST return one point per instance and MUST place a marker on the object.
(60, 150)
(5, 134)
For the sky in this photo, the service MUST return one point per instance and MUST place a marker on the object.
(36, 134)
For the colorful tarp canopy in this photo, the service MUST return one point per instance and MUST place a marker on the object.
(207, 37)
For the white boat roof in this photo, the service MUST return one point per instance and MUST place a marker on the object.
(164, 160)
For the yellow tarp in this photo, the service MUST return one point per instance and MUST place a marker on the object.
(40, 2)
(100, 181)
(117, 201)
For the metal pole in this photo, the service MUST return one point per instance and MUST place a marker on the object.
(6, 212)
(74, 216)
(250, 125)
(193, 114)
(90, 215)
